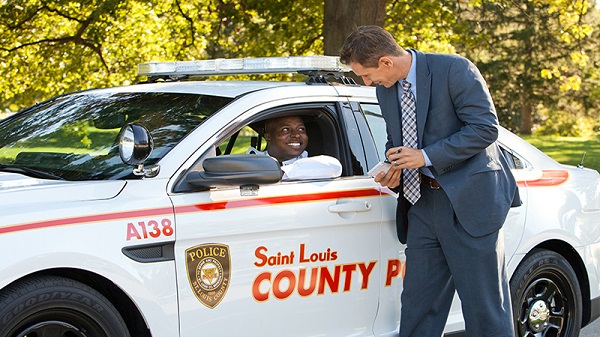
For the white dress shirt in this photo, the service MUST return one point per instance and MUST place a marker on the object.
(305, 167)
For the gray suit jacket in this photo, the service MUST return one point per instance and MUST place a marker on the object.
(458, 128)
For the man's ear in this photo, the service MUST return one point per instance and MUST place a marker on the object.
(385, 61)
(267, 136)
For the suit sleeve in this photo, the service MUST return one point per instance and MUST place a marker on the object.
(475, 115)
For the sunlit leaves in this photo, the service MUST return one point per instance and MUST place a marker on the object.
(52, 47)
(429, 27)
(532, 52)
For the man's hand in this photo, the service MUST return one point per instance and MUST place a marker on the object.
(390, 179)
(401, 157)
(405, 157)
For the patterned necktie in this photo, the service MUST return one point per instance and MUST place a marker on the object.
(412, 190)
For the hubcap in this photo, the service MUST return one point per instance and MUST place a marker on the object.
(539, 314)
(546, 308)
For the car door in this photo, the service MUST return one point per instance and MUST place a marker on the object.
(296, 256)
(373, 138)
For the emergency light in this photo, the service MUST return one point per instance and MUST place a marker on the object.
(261, 65)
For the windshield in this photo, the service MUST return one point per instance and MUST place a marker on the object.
(75, 137)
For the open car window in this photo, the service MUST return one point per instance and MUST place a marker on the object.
(323, 136)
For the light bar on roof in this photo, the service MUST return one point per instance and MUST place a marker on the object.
(261, 65)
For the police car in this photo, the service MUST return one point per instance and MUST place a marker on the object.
(134, 211)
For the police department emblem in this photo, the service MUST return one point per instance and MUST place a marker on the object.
(208, 268)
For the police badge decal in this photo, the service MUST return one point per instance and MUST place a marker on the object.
(208, 267)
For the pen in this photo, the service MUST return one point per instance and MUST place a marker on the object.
(387, 161)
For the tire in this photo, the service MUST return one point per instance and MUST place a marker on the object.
(57, 306)
(546, 297)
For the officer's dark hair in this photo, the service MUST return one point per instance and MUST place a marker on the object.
(367, 44)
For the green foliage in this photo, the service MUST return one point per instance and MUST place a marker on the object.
(568, 121)
(50, 48)
(538, 56)
(532, 52)
(429, 27)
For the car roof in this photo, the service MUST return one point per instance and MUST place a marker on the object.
(229, 89)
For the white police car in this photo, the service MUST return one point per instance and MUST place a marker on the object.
(134, 211)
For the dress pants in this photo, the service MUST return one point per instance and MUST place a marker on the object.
(442, 257)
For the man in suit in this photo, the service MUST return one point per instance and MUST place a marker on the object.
(451, 221)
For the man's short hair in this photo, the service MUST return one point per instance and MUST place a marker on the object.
(367, 44)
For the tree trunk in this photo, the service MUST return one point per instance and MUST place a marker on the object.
(343, 16)
(526, 118)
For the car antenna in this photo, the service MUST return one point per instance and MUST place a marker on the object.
(581, 164)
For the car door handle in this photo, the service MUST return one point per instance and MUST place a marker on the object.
(350, 207)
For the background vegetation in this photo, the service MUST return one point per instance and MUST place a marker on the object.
(569, 150)
(540, 57)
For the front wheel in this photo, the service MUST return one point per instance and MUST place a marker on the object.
(546, 297)
(59, 307)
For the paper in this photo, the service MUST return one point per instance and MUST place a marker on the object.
(380, 167)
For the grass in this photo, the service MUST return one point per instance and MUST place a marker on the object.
(569, 150)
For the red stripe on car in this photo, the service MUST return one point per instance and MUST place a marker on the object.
(209, 206)
(548, 178)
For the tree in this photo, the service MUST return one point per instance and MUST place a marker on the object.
(50, 48)
(537, 55)
(532, 51)
(429, 27)
(344, 16)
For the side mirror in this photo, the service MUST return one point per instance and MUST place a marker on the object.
(135, 145)
(236, 170)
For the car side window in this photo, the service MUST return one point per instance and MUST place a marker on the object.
(323, 135)
(514, 161)
(376, 125)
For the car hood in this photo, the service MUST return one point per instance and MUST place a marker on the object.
(16, 188)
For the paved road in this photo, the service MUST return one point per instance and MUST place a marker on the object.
(592, 330)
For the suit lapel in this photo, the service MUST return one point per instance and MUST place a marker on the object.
(423, 94)
(395, 106)
(391, 111)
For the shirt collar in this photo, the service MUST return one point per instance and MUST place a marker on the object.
(412, 73)
(411, 77)
(304, 154)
